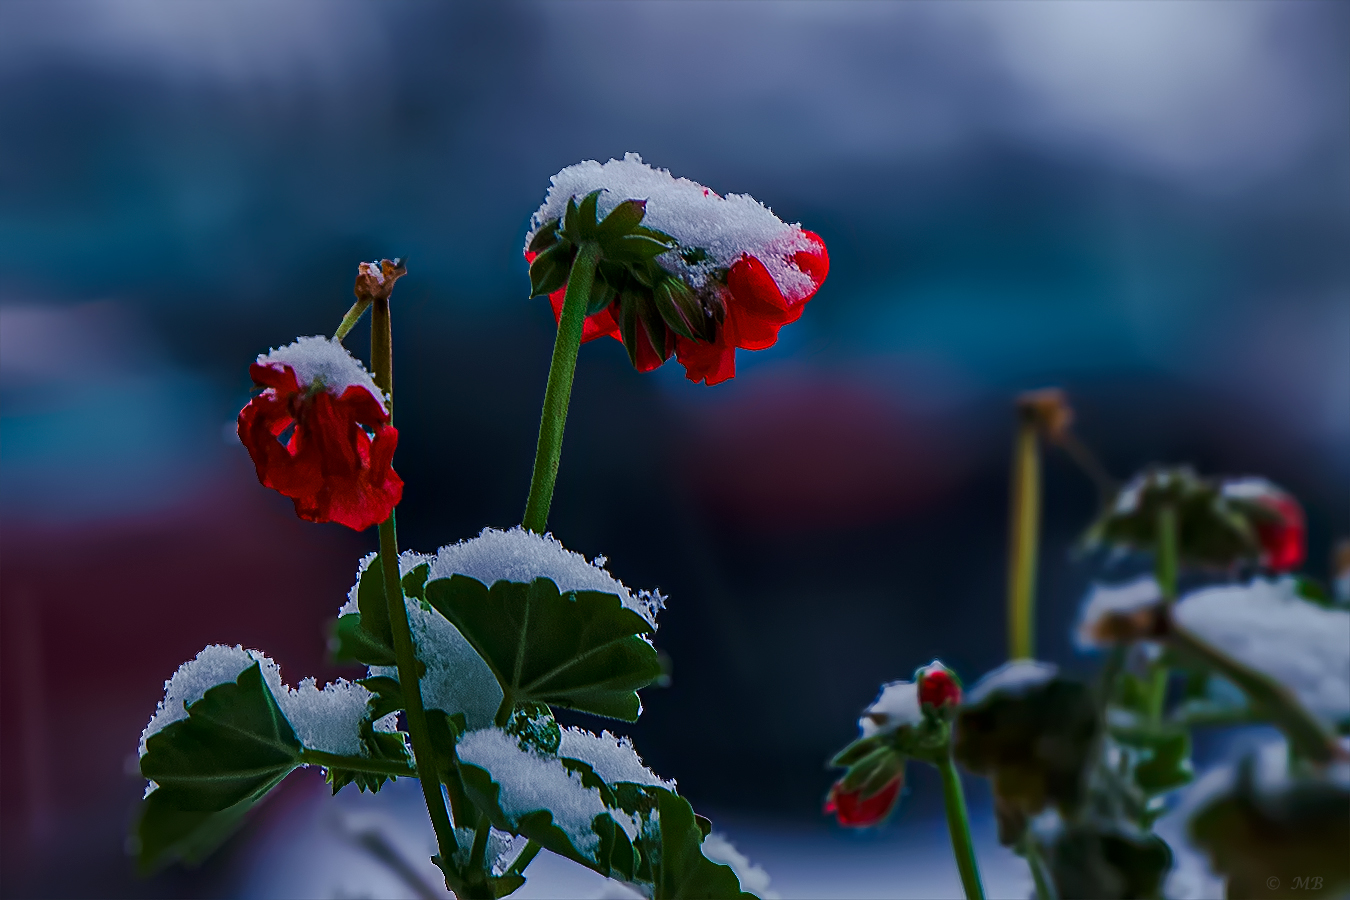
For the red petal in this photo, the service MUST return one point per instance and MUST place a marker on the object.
(853, 810)
(713, 363)
(1284, 543)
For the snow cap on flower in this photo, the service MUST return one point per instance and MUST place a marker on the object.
(1267, 626)
(320, 361)
(724, 228)
(520, 555)
(1013, 678)
(897, 705)
(1118, 613)
(327, 719)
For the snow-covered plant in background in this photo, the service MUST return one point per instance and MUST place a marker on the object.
(469, 651)
(1081, 771)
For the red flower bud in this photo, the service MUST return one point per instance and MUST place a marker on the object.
(938, 687)
(337, 463)
(1284, 537)
(853, 810)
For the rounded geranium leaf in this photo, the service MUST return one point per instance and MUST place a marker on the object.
(319, 433)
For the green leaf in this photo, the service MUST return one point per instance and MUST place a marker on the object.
(385, 745)
(1166, 761)
(581, 650)
(371, 603)
(415, 584)
(353, 643)
(1108, 862)
(672, 852)
(234, 747)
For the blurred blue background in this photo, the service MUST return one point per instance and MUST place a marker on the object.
(1145, 204)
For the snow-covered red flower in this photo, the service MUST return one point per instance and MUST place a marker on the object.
(854, 810)
(938, 686)
(1278, 519)
(729, 276)
(336, 461)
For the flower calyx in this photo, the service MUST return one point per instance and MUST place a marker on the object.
(375, 281)
(939, 688)
(1220, 523)
(650, 305)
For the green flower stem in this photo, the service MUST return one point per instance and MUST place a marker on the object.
(478, 854)
(1045, 885)
(1308, 737)
(1165, 572)
(382, 361)
(1024, 539)
(357, 763)
(523, 859)
(559, 390)
(351, 318)
(958, 824)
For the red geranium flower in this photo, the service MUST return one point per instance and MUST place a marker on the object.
(938, 686)
(336, 463)
(748, 272)
(852, 809)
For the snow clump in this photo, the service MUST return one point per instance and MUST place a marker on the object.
(324, 360)
(896, 705)
(1106, 600)
(613, 758)
(1013, 679)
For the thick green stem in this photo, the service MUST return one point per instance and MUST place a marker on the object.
(958, 824)
(357, 763)
(478, 853)
(381, 358)
(1307, 735)
(1165, 572)
(523, 858)
(1024, 540)
(351, 318)
(559, 390)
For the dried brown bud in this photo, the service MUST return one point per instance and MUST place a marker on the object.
(376, 281)
(1049, 409)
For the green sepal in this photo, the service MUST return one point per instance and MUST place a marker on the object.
(655, 327)
(545, 237)
(1035, 743)
(628, 323)
(231, 750)
(636, 248)
(679, 308)
(581, 650)
(1285, 840)
(622, 219)
(550, 268)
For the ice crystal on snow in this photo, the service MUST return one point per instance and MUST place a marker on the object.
(613, 758)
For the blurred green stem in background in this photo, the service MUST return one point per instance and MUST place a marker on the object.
(1024, 536)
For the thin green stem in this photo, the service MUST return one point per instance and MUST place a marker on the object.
(1308, 737)
(478, 853)
(523, 859)
(1045, 886)
(559, 390)
(357, 763)
(958, 824)
(1165, 568)
(1024, 540)
(351, 318)
(405, 654)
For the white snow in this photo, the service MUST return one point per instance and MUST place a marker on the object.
(896, 705)
(323, 360)
(613, 758)
(530, 781)
(521, 555)
(753, 878)
(1012, 678)
(1267, 626)
(725, 227)
(407, 561)
(327, 719)
(1114, 599)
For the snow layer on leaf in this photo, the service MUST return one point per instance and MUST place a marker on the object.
(725, 228)
(753, 878)
(324, 360)
(613, 758)
(327, 719)
(457, 679)
(1250, 487)
(522, 556)
(530, 781)
(896, 705)
(1012, 678)
(1114, 599)
(1266, 625)
(407, 561)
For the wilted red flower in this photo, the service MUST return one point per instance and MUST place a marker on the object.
(852, 809)
(745, 273)
(938, 686)
(336, 463)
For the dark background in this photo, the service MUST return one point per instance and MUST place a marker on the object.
(1146, 204)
